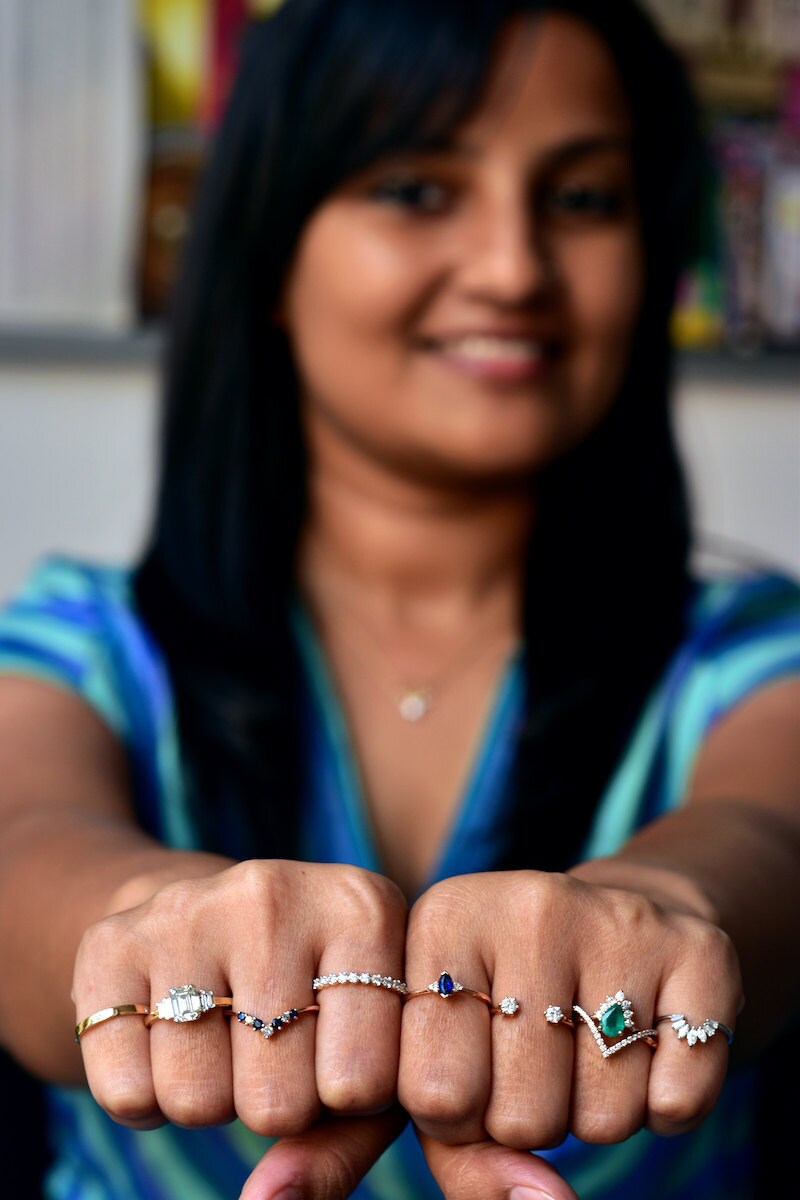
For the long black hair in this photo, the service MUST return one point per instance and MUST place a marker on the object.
(325, 88)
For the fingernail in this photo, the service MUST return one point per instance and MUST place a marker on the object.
(288, 1193)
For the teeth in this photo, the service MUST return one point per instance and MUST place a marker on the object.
(488, 348)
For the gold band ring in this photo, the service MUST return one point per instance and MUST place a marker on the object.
(186, 1003)
(611, 1020)
(445, 986)
(105, 1014)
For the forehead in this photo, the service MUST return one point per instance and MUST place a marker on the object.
(550, 76)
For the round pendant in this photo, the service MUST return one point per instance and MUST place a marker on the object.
(414, 704)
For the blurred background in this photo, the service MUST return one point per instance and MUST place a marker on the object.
(106, 108)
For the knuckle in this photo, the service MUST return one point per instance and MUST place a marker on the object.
(352, 1093)
(366, 898)
(439, 1107)
(128, 1100)
(524, 1131)
(272, 1111)
(672, 1105)
(602, 1126)
(192, 1104)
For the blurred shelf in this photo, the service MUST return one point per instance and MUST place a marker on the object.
(79, 348)
(779, 368)
(142, 348)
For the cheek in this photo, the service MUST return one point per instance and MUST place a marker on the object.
(347, 294)
(607, 293)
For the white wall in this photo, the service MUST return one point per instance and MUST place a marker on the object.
(76, 462)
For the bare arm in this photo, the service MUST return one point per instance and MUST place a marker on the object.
(732, 853)
(70, 853)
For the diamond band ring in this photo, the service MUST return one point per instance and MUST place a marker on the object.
(446, 987)
(268, 1029)
(611, 1020)
(186, 1003)
(695, 1033)
(365, 977)
(105, 1014)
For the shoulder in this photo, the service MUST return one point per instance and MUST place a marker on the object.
(746, 620)
(72, 622)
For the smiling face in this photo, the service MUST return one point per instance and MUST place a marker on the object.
(467, 314)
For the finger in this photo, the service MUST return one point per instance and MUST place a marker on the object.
(358, 1032)
(116, 1052)
(492, 1172)
(275, 1091)
(191, 1059)
(327, 1161)
(610, 1091)
(444, 1080)
(532, 1061)
(691, 1062)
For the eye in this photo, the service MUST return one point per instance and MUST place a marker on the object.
(417, 193)
(587, 200)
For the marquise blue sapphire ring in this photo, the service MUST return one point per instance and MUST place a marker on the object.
(445, 986)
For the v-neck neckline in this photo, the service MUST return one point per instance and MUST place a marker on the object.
(487, 778)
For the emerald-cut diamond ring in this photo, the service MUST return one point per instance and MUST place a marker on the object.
(695, 1033)
(446, 987)
(186, 1003)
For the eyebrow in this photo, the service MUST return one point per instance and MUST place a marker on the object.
(559, 155)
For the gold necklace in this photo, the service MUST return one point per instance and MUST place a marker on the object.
(414, 701)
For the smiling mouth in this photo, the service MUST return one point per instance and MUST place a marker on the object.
(511, 359)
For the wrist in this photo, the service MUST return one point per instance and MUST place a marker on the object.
(172, 865)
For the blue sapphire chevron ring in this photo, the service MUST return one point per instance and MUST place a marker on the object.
(446, 987)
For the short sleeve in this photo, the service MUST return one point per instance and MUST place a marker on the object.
(74, 624)
(54, 628)
(746, 636)
(743, 634)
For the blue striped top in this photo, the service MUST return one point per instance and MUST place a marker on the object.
(74, 624)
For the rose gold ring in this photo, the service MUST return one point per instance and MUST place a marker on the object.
(186, 1003)
(446, 987)
(105, 1014)
(268, 1029)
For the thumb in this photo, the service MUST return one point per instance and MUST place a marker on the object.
(493, 1172)
(327, 1161)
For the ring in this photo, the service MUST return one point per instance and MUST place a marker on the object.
(555, 1015)
(186, 1003)
(611, 1019)
(384, 981)
(105, 1014)
(268, 1029)
(445, 986)
(695, 1033)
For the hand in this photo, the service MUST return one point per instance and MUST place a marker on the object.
(553, 939)
(259, 932)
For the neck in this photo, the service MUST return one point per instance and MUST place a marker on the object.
(413, 555)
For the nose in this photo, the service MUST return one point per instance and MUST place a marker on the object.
(504, 258)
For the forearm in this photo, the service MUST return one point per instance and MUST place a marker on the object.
(59, 873)
(737, 864)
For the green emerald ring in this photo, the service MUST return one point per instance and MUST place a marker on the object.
(614, 1019)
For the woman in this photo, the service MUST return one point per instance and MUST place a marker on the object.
(412, 693)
